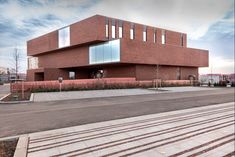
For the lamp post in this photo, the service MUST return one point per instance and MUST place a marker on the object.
(60, 79)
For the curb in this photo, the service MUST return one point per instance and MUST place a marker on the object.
(4, 96)
(16, 102)
(31, 97)
(22, 146)
(9, 138)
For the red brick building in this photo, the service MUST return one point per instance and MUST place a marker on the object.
(100, 46)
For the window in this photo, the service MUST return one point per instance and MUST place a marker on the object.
(71, 75)
(145, 34)
(154, 36)
(132, 32)
(163, 37)
(106, 28)
(113, 29)
(64, 37)
(105, 53)
(32, 62)
(182, 40)
(120, 29)
(178, 73)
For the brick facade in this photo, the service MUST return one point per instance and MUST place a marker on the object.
(138, 58)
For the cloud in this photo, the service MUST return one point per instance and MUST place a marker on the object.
(202, 20)
(219, 65)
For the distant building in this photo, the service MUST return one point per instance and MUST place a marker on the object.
(232, 78)
(6, 75)
(213, 78)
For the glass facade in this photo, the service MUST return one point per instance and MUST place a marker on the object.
(105, 53)
(64, 37)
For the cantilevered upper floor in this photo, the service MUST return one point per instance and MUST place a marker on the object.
(100, 28)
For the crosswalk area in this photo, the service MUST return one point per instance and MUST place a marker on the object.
(202, 131)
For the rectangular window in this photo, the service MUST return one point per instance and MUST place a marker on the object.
(145, 34)
(182, 40)
(33, 63)
(132, 32)
(105, 53)
(71, 75)
(106, 28)
(163, 37)
(120, 32)
(120, 29)
(113, 32)
(64, 37)
(113, 29)
(154, 36)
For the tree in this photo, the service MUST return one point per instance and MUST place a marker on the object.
(16, 61)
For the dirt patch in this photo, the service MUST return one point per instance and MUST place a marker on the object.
(17, 96)
(7, 148)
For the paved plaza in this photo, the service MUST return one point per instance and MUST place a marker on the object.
(200, 131)
(69, 95)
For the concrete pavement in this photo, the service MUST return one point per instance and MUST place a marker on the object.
(69, 95)
(201, 131)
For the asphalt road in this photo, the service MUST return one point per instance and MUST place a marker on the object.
(18, 119)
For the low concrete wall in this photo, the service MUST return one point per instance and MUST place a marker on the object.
(89, 84)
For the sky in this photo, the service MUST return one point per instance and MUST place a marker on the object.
(209, 24)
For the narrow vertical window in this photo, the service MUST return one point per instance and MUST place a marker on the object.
(145, 34)
(182, 39)
(163, 37)
(132, 32)
(113, 29)
(154, 36)
(106, 28)
(120, 29)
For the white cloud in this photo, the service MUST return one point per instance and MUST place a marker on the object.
(193, 17)
(218, 64)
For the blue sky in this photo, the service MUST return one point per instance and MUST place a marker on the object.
(208, 23)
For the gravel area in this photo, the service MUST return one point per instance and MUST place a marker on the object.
(7, 148)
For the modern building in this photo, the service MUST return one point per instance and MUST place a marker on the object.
(100, 46)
